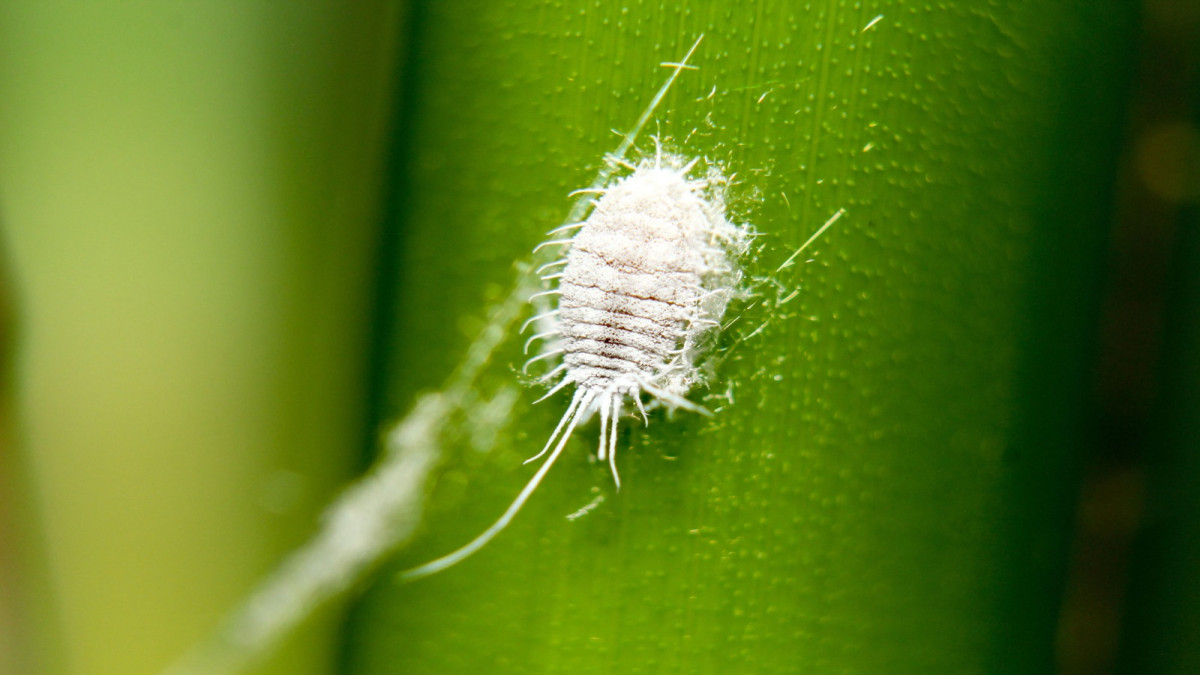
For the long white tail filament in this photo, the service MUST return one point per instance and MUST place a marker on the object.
(579, 406)
(610, 406)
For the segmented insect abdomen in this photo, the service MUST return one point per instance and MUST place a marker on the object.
(631, 285)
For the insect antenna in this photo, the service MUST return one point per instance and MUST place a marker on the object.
(575, 413)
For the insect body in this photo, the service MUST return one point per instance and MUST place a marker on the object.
(647, 276)
(644, 280)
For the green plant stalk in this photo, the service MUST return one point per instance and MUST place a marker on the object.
(888, 483)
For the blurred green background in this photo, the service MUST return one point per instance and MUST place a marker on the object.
(189, 199)
(240, 239)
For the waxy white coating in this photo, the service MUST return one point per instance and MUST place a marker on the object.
(647, 275)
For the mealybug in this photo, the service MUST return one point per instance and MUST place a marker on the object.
(645, 278)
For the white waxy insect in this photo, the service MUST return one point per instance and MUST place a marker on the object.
(644, 280)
